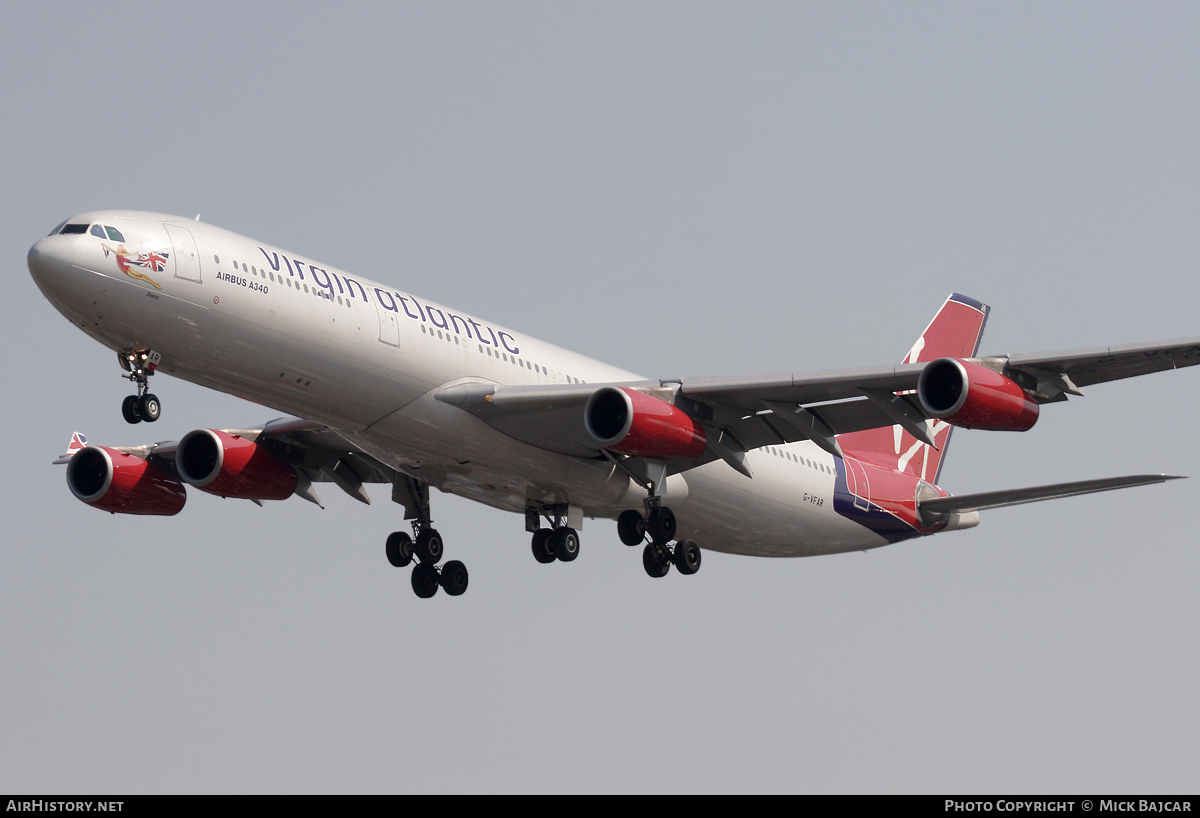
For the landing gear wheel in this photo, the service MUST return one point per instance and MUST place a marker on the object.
(129, 409)
(399, 549)
(149, 407)
(425, 580)
(661, 525)
(687, 557)
(565, 544)
(454, 578)
(429, 547)
(631, 527)
(656, 560)
(542, 550)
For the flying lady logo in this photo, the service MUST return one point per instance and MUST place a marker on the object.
(126, 261)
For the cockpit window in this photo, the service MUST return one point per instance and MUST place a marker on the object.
(97, 231)
(74, 228)
(114, 233)
(55, 230)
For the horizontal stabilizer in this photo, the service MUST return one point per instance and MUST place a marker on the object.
(934, 510)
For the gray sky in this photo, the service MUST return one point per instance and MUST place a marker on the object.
(679, 189)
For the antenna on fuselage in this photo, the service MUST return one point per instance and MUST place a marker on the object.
(197, 217)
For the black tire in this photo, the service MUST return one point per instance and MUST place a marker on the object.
(631, 527)
(687, 557)
(454, 578)
(542, 550)
(129, 409)
(149, 407)
(399, 549)
(661, 525)
(565, 544)
(425, 581)
(429, 546)
(655, 560)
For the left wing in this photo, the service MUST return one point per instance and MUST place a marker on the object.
(314, 452)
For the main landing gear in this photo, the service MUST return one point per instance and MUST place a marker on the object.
(559, 541)
(658, 524)
(660, 553)
(426, 548)
(140, 365)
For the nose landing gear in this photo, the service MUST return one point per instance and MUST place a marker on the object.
(140, 364)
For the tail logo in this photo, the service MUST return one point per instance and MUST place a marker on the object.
(914, 354)
(935, 428)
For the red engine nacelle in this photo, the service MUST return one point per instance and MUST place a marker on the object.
(122, 483)
(637, 424)
(974, 397)
(231, 466)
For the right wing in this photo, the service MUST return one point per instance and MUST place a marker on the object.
(837, 402)
(743, 413)
(1053, 373)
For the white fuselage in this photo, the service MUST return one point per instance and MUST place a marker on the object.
(365, 358)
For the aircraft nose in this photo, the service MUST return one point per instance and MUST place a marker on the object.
(49, 259)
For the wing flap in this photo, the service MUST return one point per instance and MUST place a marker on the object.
(769, 428)
(800, 387)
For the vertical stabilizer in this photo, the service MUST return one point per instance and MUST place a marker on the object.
(955, 332)
(77, 443)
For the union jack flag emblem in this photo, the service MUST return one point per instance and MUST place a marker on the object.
(155, 261)
(78, 442)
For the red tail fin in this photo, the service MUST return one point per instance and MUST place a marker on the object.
(954, 332)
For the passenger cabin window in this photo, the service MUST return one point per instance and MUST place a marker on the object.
(74, 228)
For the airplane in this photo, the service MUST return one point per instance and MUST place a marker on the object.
(387, 387)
